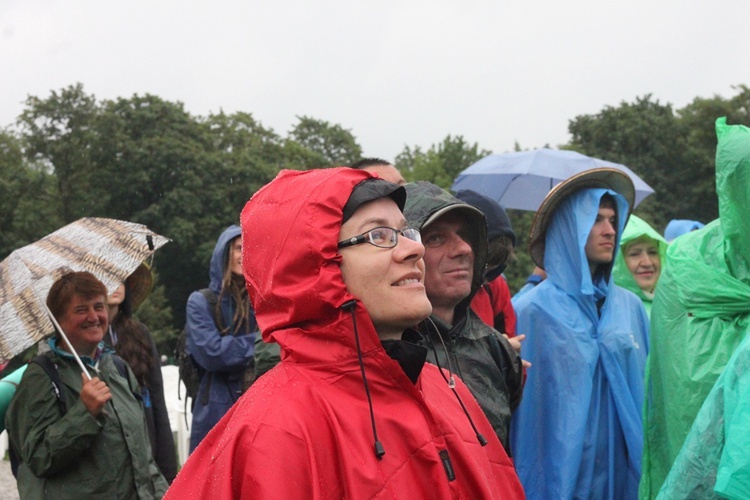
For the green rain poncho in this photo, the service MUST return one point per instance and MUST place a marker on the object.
(635, 229)
(701, 313)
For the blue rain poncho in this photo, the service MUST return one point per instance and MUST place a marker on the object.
(700, 315)
(577, 432)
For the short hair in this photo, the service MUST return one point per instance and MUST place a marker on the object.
(368, 162)
(63, 290)
(608, 201)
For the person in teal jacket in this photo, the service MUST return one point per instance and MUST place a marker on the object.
(701, 313)
(638, 264)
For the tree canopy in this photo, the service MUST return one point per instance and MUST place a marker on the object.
(187, 177)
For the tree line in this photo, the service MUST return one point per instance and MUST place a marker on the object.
(144, 159)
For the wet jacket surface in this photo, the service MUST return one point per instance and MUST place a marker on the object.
(635, 229)
(577, 432)
(224, 358)
(76, 455)
(482, 358)
(303, 430)
(701, 311)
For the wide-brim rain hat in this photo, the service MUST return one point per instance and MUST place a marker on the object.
(139, 285)
(607, 178)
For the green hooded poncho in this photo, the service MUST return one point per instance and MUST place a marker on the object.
(635, 229)
(701, 312)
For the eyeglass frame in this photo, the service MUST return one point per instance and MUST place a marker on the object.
(367, 238)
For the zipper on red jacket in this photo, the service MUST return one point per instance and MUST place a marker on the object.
(447, 465)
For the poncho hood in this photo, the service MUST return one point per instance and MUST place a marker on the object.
(635, 229)
(292, 228)
(219, 257)
(733, 190)
(565, 244)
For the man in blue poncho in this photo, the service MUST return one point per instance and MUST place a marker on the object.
(577, 432)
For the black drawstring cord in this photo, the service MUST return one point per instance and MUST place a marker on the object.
(452, 383)
(378, 446)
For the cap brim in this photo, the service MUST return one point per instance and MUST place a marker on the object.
(371, 190)
(473, 212)
(607, 178)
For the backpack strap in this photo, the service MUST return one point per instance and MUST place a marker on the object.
(50, 368)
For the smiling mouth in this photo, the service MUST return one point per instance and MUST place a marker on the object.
(406, 281)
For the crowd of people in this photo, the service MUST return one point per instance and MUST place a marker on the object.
(358, 339)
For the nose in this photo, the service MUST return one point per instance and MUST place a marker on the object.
(459, 246)
(645, 260)
(91, 315)
(408, 249)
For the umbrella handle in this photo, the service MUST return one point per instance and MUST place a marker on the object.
(65, 337)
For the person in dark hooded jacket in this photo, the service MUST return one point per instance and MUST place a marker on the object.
(492, 301)
(455, 239)
(352, 410)
(223, 351)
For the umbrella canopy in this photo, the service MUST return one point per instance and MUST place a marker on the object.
(108, 248)
(522, 180)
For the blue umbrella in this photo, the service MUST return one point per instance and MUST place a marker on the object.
(522, 180)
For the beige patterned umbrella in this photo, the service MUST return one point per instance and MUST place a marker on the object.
(110, 249)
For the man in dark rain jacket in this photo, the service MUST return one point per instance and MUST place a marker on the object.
(454, 234)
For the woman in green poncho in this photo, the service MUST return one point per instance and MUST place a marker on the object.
(638, 265)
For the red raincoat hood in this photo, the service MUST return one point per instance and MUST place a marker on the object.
(290, 231)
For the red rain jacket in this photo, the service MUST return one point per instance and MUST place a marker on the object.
(303, 430)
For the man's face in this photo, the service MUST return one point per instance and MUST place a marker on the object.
(85, 321)
(644, 262)
(600, 245)
(235, 256)
(388, 281)
(387, 172)
(449, 260)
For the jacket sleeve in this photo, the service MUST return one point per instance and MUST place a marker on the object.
(164, 454)
(211, 350)
(47, 441)
(511, 366)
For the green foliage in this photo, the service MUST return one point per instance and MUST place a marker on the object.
(148, 160)
(673, 151)
(157, 315)
(441, 163)
(331, 145)
(28, 204)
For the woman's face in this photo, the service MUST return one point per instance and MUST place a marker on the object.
(388, 281)
(116, 298)
(644, 262)
(235, 256)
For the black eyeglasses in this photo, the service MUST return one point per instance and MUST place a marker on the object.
(383, 237)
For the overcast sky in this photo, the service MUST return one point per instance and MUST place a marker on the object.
(394, 72)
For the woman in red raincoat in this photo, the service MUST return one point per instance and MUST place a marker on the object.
(352, 410)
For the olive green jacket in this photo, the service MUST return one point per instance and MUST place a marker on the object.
(74, 455)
